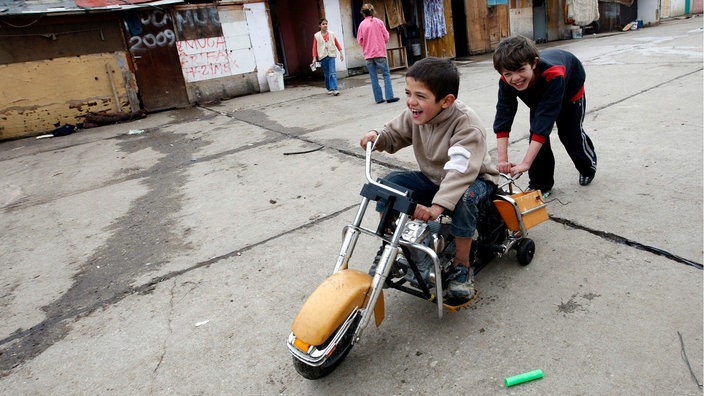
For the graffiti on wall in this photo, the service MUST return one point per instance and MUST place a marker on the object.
(152, 30)
(207, 46)
(227, 53)
(199, 22)
(206, 58)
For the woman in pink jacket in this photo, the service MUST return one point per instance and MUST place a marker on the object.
(373, 36)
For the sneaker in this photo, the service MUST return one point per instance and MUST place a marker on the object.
(330, 92)
(461, 285)
(585, 180)
(335, 92)
(392, 100)
(545, 193)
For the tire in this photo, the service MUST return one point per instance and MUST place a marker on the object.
(596, 26)
(525, 251)
(343, 348)
(593, 27)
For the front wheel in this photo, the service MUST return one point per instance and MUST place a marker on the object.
(344, 346)
(525, 251)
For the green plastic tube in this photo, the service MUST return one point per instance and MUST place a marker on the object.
(525, 377)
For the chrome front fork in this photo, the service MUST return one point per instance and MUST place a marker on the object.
(349, 242)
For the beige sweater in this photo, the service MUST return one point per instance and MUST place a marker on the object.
(450, 149)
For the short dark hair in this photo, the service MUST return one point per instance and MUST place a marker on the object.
(512, 53)
(367, 9)
(440, 75)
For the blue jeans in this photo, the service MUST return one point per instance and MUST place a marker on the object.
(328, 64)
(466, 213)
(383, 65)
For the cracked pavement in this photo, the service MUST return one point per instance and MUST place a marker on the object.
(173, 261)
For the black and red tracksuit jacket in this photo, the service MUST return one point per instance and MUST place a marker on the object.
(560, 79)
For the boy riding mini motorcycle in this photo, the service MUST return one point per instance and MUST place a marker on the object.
(424, 252)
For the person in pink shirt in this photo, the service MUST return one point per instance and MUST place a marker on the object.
(325, 48)
(373, 36)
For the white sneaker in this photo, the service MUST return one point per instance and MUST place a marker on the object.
(335, 92)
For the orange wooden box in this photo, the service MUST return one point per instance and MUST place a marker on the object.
(527, 206)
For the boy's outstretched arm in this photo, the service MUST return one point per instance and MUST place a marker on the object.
(528, 159)
(504, 166)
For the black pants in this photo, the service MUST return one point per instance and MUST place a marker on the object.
(578, 145)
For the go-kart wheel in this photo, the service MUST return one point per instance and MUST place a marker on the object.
(525, 251)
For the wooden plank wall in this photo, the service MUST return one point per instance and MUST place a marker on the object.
(444, 47)
(486, 26)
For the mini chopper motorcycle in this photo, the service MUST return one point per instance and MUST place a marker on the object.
(414, 258)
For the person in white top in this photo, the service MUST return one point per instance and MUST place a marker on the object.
(325, 49)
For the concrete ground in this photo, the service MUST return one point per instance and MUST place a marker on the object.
(170, 255)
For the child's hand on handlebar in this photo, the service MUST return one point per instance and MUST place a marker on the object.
(504, 167)
(519, 168)
(427, 213)
(512, 169)
(370, 136)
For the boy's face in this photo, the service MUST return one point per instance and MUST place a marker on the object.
(422, 102)
(522, 78)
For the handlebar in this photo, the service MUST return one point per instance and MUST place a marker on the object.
(510, 180)
(368, 172)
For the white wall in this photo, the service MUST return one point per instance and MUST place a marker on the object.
(354, 58)
(262, 44)
(677, 8)
(649, 11)
(521, 21)
(334, 17)
(674, 8)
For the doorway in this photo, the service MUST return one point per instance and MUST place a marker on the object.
(295, 22)
(152, 46)
(540, 21)
(459, 21)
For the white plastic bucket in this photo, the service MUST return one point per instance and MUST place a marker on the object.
(576, 32)
(276, 81)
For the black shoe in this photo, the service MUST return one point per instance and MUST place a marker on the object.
(585, 180)
(381, 101)
(392, 100)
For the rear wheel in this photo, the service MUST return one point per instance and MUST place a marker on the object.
(525, 251)
(338, 355)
